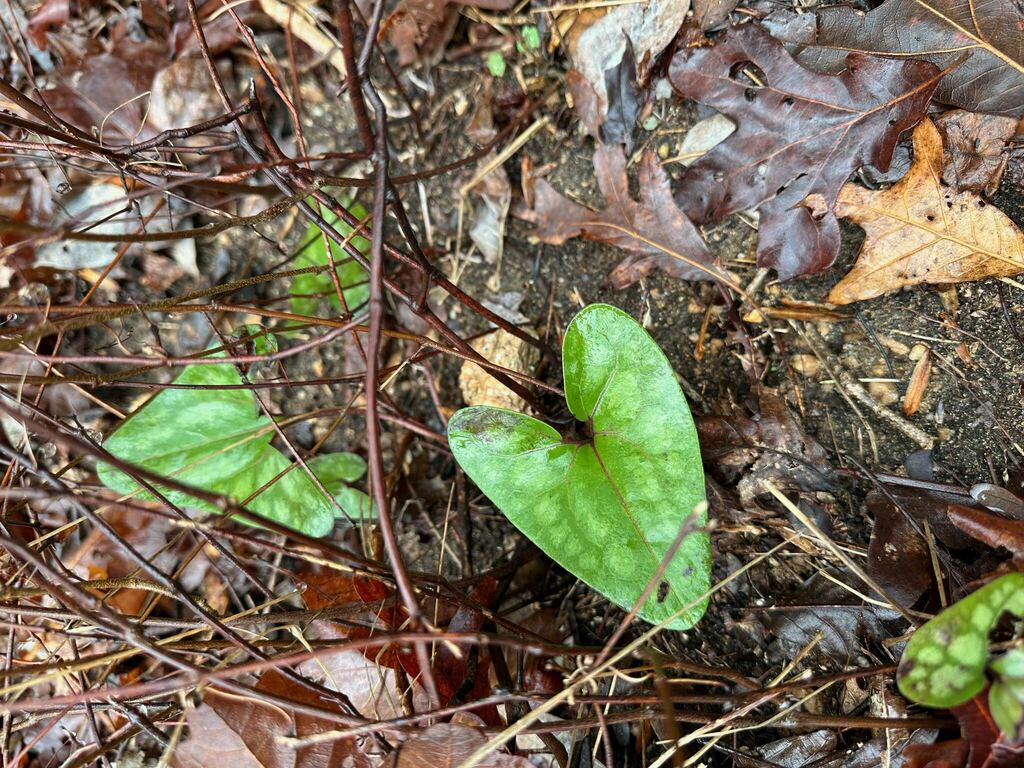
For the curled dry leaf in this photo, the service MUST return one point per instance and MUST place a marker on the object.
(918, 384)
(919, 231)
(653, 231)
(980, 40)
(990, 529)
(798, 133)
(974, 144)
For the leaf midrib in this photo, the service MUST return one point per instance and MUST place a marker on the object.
(620, 497)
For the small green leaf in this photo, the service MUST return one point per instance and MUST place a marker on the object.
(496, 64)
(531, 37)
(335, 471)
(606, 507)
(258, 340)
(357, 505)
(1006, 697)
(215, 440)
(308, 292)
(944, 663)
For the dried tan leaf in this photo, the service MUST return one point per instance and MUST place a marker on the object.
(919, 231)
(918, 384)
(479, 387)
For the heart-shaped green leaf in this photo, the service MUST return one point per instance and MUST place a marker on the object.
(944, 663)
(306, 290)
(608, 506)
(216, 440)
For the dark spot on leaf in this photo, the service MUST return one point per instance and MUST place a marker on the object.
(662, 591)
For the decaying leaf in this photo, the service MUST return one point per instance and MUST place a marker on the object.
(623, 101)
(919, 231)
(448, 745)
(232, 731)
(369, 677)
(798, 133)
(653, 231)
(828, 615)
(479, 387)
(586, 103)
(973, 149)
(422, 28)
(898, 555)
(979, 39)
(494, 195)
(704, 136)
(711, 13)
(598, 37)
(106, 93)
(770, 446)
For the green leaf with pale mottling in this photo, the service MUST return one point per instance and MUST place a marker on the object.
(217, 441)
(309, 292)
(944, 663)
(1006, 697)
(336, 471)
(607, 508)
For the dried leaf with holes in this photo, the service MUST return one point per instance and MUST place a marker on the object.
(798, 133)
(919, 231)
(653, 231)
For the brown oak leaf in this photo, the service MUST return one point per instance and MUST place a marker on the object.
(653, 231)
(920, 231)
(980, 40)
(798, 133)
